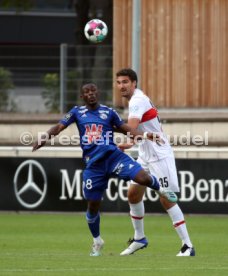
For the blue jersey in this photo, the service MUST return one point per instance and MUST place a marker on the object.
(96, 130)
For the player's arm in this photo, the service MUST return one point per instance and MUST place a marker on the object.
(53, 131)
(132, 123)
(126, 129)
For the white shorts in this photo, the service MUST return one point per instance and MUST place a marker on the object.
(165, 171)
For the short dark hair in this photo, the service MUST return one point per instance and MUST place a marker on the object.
(87, 84)
(128, 72)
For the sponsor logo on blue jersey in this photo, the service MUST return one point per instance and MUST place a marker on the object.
(93, 132)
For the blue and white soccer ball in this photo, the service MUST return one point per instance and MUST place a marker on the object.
(96, 30)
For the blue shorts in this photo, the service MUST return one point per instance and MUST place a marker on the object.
(115, 163)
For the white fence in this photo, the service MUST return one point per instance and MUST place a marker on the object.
(180, 152)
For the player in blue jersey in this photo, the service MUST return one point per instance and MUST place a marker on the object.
(96, 124)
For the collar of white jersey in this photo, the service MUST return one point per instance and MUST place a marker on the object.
(137, 92)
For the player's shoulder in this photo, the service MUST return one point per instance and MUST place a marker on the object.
(78, 110)
(105, 108)
(139, 97)
(69, 116)
(138, 94)
(81, 107)
(102, 106)
(110, 111)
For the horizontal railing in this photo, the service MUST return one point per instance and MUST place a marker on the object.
(190, 152)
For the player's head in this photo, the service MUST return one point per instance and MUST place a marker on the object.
(126, 80)
(128, 72)
(89, 93)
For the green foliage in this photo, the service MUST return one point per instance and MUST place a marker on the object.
(20, 5)
(51, 93)
(6, 83)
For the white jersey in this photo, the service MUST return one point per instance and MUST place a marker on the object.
(140, 107)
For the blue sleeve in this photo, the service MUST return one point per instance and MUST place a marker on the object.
(69, 118)
(116, 120)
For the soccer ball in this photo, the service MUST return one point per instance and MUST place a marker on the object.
(95, 30)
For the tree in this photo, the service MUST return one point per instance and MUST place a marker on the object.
(6, 83)
(18, 4)
(51, 92)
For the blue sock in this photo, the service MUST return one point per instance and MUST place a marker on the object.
(93, 223)
(154, 183)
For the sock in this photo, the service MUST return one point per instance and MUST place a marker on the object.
(98, 240)
(177, 218)
(137, 212)
(154, 183)
(93, 221)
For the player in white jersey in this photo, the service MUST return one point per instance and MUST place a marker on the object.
(156, 159)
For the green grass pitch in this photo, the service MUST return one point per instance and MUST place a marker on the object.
(59, 244)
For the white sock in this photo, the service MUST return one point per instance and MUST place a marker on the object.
(97, 240)
(137, 212)
(177, 218)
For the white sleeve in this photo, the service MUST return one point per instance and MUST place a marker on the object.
(137, 108)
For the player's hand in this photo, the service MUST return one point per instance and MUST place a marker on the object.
(124, 146)
(155, 138)
(38, 145)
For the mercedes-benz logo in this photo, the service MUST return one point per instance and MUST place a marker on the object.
(29, 192)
